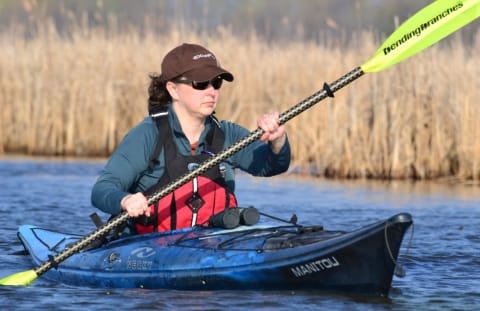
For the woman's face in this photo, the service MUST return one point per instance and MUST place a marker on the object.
(197, 103)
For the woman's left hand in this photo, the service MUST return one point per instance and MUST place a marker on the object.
(273, 132)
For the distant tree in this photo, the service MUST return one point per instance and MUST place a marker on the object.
(269, 19)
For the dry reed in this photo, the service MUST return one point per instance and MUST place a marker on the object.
(79, 96)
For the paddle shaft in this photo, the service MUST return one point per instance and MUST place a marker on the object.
(327, 91)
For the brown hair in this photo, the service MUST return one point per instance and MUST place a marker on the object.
(158, 96)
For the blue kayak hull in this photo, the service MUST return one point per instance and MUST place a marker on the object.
(254, 258)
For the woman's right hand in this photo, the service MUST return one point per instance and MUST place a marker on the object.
(135, 205)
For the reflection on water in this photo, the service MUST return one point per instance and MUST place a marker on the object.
(442, 265)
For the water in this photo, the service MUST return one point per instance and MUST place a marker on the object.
(442, 264)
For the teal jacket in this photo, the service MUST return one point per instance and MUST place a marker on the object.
(127, 169)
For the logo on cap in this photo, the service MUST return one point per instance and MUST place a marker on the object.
(199, 56)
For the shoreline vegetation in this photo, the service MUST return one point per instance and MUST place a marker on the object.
(417, 120)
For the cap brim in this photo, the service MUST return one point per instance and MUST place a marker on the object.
(207, 73)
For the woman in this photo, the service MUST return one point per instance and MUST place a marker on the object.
(180, 133)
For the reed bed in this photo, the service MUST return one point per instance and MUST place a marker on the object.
(79, 96)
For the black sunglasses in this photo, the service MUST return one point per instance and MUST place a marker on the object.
(215, 82)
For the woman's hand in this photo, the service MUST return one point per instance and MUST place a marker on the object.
(135, 205)
(274, 133)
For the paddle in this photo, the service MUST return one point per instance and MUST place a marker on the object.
(426, 27)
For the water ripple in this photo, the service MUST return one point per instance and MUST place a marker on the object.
(442, 262)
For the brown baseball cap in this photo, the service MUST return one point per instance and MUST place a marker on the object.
(193, 62)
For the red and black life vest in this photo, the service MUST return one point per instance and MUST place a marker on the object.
(196, 201)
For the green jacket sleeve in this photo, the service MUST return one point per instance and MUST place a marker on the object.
(129, 160)
(257, 158)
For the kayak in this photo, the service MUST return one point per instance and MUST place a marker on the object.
(258, 257)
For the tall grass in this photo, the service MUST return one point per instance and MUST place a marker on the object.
(79, 96)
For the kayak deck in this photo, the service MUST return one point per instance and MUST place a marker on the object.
(258, 257)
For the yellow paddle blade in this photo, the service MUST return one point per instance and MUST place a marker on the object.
(20, 278)
(428, 26)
